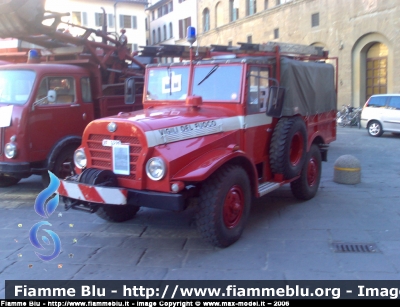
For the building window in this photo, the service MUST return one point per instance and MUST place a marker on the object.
(159, 11)
(165, 32)
(152, 15)
(206, 20)
(276, 33)
(170, 30)
(315, 20)
(265, 4)
(171, 6)
(79, 18)
(249, 39)
(159, 35)
(126, 21)
(233, 11)
(154, 37)
(183, 24)
(230, 43)
(165, 9)
(135, 47)
(278, 2)
(98, 19)
(251, 7)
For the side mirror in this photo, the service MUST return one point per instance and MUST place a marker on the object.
(130, 90)
(51, 96)
(276, 95)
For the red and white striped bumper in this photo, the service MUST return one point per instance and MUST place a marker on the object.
(93, 194)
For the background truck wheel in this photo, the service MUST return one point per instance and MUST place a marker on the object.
(6, 181)
(307, 185)
(288, 147)
(66, 155)
(224, 206)
(375, 128)
(113, 213)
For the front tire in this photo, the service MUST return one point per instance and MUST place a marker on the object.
(307, 185)
(375, 128)
(59, 169)
(7, 181)
(112, 213)
(224, 206)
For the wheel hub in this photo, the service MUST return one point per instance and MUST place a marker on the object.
(296, 149)
(312, 172)
(233, 206)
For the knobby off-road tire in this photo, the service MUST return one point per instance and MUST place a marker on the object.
(61, 171)
(288, 147)
(112, 213)
(224, 206)
(7, 181)
(306, 186)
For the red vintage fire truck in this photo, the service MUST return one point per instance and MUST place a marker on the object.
(49, 94)
(228, 124)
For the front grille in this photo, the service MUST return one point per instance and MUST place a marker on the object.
(101, 156)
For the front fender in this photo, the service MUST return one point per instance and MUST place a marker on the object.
(201, 168)
(57, 148)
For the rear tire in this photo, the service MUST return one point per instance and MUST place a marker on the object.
(375, 128)
(7, 181)
(307, 185)
(288, 147)
(224, 206)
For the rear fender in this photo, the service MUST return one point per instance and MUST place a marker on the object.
(201, 168)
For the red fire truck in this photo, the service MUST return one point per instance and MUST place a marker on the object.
(229, 124)
(48, 95)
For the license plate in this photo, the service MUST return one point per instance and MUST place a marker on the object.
(111, 142)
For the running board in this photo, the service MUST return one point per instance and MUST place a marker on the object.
(267, 187)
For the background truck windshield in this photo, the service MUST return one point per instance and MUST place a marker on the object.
(16, 86)
(212, 82)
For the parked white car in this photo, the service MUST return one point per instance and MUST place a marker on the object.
(381, 113)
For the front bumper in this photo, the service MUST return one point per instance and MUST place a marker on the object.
(18, 170)
(103, 195)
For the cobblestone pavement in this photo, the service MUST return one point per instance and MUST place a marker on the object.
(284, 238)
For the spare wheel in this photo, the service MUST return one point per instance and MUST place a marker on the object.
(288, 147)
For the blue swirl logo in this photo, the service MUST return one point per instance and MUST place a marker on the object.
(45, 204)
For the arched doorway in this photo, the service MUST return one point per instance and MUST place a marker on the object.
(377, 59)
(367, 48)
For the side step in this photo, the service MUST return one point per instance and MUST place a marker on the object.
(267, 187)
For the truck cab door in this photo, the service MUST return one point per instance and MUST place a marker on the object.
(67, 115)
(256, 119)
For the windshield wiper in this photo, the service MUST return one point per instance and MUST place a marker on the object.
(209, 74)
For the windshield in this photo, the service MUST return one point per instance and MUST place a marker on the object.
(211, 82)
(217, 83)
(168, 83)
(16, 86)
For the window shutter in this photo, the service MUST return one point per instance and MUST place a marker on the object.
(134, 25)
(121, 21)
(111, 20)
(180, 28)
(96, 19)
(84, 18)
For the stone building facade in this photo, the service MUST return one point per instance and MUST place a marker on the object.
(363, 34)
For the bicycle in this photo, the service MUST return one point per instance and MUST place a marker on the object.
(351, 117)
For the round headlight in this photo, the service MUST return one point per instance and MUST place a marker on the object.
(10, 150)
(80, 158)
(155, 168)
